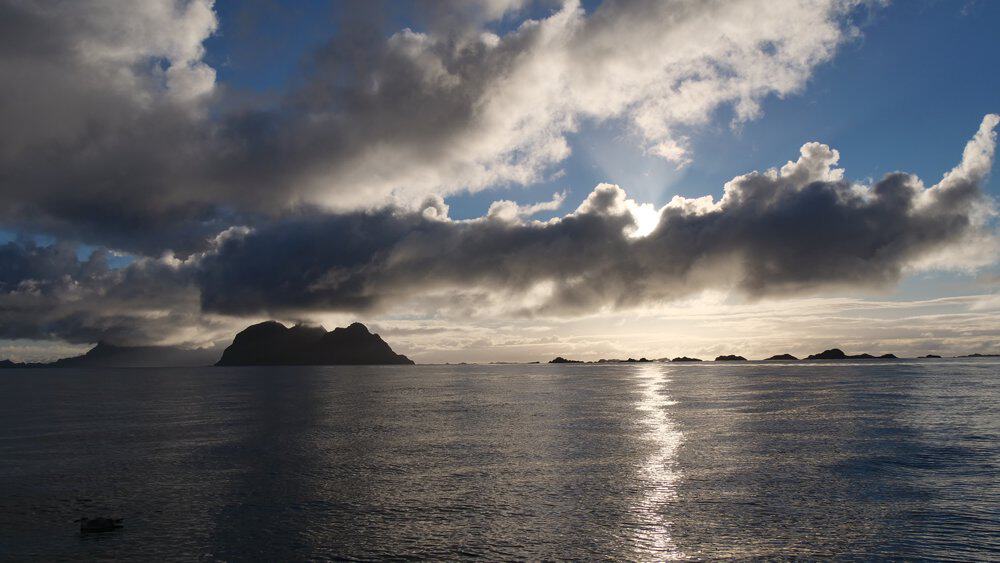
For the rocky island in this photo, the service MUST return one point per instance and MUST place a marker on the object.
(730, 358)
(562, 360)
(838, 354)
(271, 343)
(781, 357)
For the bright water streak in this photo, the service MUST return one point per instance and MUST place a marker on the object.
(650, 461)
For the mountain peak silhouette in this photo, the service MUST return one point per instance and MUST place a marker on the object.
(272, 343)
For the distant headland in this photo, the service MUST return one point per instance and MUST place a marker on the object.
(105, 355)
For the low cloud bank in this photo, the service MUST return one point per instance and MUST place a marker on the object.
(48, 293)
(798, 228)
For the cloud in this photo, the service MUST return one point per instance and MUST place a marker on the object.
(105, 112)
(47, 292)
(797, 229)
(117, 134)
(78, 66)
(329, 197)
(509, 211)
(800, 228)
(450, 111)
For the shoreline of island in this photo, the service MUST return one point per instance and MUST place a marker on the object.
(270, 343)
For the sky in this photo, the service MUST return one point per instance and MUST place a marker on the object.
(502, 180)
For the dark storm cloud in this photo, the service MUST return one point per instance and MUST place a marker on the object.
(796, 229)
(47, 292)
(359, 261)
(102, 135)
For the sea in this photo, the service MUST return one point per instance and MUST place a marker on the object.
(652, 461)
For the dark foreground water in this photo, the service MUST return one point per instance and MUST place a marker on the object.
(628, 462)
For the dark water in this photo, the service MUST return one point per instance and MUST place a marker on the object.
(628, 462)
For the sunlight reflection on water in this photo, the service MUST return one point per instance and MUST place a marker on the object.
(873, 461)
(658, 472)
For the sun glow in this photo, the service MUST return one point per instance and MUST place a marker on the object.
(647, 217)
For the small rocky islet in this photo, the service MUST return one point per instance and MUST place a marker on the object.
(781, 358)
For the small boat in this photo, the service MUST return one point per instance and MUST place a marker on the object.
(98, 525)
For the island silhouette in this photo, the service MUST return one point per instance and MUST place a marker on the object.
(266, 343)
(105, 355)
(271, 343)
(831, 354)
(838, 354)
(781, 357)
(562, 360)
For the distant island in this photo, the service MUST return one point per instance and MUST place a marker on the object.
(562, 360)
(831, 354)
(271, 343)
(838, 354)
(781, 357)
(105, 355)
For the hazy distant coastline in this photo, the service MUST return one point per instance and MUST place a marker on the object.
(831, 354)
(271, 343)
(105, 355)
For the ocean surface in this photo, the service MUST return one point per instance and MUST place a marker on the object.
(650, 461)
